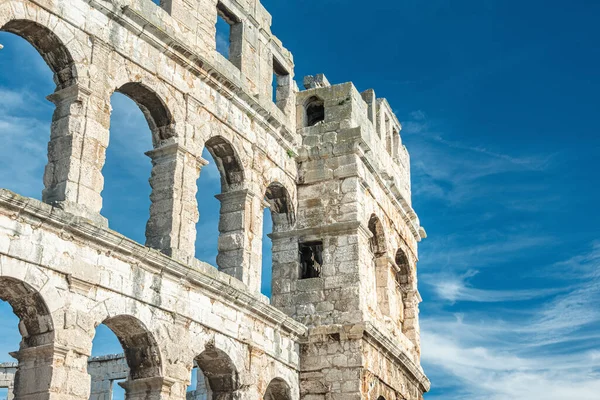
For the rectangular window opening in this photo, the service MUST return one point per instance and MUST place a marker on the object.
(311, 259)
(280, 81)
(229, 35)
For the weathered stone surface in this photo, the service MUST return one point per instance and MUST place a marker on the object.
(328, 162)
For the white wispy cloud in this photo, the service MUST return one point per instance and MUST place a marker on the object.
(25, 138)
(456, 172)
(456, 287)
(544, 351)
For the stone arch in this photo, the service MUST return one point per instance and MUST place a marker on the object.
(314, 111)
(403, 273)
(228, 162)
(377, 242)
(141, 349)
(378, 250)
(221, 376)
(155, 110)
(281, 205)
(37, 328)
(278, 389)
(49, 46)
(403, 283)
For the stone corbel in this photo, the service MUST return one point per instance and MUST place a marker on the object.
(143, 388)
(71, 94)
(47, 351)
(174, 149)
(79, 286)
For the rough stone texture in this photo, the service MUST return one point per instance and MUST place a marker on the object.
(328, 162)
(7, 378)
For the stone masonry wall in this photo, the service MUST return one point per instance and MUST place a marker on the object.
(328, 161)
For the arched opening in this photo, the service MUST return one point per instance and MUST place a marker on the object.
(155, 111)
(227, 161)
(123, 352)
(139, 122)
(207, 227)
(126, 193)
(214, 376)
(233, 204)
(381, 264)
(377, 242)
(107, 367)
(34, 63)
(402, 281)
(315, 111)
(278, 217)
(140, 347)
(26, 323)
(35, 322)
(49, 46)
(278, 389)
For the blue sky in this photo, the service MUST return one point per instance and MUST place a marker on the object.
(498, 101)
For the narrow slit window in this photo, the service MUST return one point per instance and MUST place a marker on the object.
(311, 259)
(228, 37)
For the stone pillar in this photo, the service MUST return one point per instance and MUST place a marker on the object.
(10, 395)
(174, 209)
(76, 152)
(411, 321)
(240, 240)
(284, 95)
(51, 372)
(154, 388)
(382, 278)
(286, 271)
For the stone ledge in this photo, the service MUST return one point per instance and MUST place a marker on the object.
(107, 357)
(388, 346)
(202, 275)
(369, 332)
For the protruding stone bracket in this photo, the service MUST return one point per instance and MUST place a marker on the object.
(79, 286)
(68, 95)
(153, 388)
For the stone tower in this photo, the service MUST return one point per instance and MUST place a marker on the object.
(347, 269)
(328, 161)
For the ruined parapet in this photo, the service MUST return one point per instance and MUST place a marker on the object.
(354, 281)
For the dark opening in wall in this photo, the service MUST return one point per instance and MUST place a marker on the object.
(280, 82)
(311, 259)
(315, 111)
(229, 35)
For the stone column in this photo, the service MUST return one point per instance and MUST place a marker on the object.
(154, 388)
(10, 395)
(286, 271)
(51, 372)
(240, 240)
(76, 152)
(411, 321)
(174, 209)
